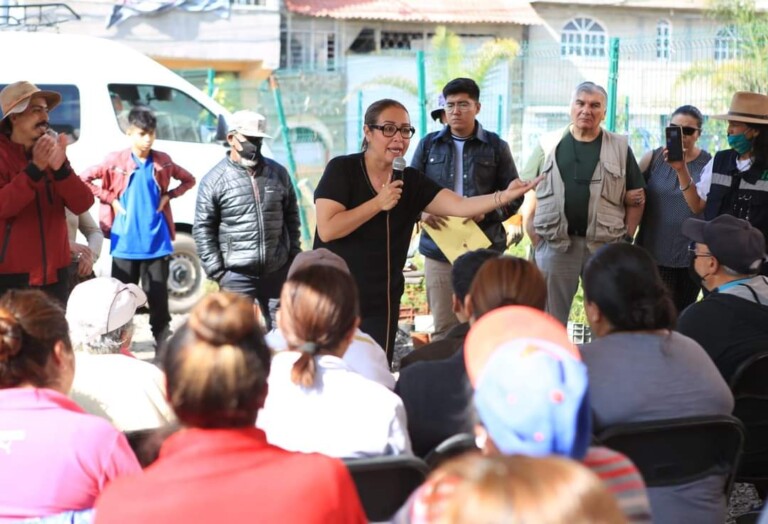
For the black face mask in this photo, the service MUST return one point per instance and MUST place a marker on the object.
(251, 149)
(693, 274)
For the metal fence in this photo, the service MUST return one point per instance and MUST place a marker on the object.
(521, 98)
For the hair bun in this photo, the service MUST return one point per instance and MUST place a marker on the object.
(223, 318)
(10, 335)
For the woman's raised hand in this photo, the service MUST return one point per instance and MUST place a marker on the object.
(518, 188)
(389, 194)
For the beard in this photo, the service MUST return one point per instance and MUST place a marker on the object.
(248, 164)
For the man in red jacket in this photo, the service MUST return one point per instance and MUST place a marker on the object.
(36, 184)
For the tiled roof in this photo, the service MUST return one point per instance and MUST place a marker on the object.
(426, 11)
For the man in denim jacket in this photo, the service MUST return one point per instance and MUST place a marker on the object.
(486, 166)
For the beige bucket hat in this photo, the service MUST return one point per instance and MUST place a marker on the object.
(750, 108)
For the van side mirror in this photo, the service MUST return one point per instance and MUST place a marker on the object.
(221, 129)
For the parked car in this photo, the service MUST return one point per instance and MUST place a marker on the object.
(100, 80)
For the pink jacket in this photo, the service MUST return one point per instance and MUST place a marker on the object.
(114, 173)
(53, 456)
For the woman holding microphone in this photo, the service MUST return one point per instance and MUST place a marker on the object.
(366, 215)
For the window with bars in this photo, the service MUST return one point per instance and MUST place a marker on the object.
(583, 37)
(663, 39)
(727, 43)
(398, 39)
(310, 50)
(249, 3)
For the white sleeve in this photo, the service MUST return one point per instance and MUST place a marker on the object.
(399, 442)
(367, 358)
(704, 183)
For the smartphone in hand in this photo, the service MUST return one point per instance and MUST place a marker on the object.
(674, 136)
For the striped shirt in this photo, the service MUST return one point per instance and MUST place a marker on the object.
(622, 478)
(665, 211)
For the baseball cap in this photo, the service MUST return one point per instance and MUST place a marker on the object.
(734, 242)
(439, 107)
(101, 305)
(509, 323)
(14, 98)
(317, 257)
(532, 397)
(249, 123)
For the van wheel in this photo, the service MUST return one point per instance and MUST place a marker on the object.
(185, 275)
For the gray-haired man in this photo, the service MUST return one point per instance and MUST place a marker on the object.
(579, 205)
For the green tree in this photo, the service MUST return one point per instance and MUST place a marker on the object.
(748, 69)
(448, 59)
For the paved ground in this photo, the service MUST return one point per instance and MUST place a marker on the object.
(143, 343)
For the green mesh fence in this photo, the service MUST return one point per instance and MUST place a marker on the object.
(522, 97)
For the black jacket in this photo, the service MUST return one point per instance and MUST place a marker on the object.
(236, 231)
(437, 398)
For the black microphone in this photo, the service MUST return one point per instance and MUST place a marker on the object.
(398, 166)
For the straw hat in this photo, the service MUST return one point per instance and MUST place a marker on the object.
(750, 108)
(14, 98)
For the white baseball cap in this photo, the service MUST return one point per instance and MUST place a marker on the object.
(249, 123)
(101, 305)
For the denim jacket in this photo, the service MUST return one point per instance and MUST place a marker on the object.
(488, 167)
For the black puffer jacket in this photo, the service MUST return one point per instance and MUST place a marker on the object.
(236, 231)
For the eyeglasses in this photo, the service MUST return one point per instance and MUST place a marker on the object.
(692, 251)
(389, 130)
(451, 107)
(688, 131)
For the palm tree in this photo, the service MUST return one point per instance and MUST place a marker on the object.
(448, 60)
(747, 69)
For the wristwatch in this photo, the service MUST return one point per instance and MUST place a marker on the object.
(629, 239)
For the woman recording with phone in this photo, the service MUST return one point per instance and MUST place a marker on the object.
(735, 181)
(665, 211)
(366, 215)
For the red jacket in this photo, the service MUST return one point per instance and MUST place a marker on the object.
(232, 475)
(114, 173)
(33, 228)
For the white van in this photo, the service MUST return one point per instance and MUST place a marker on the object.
(99, 81)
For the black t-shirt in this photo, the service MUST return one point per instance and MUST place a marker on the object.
(365, 249)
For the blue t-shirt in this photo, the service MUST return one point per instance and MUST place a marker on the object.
(142, 232)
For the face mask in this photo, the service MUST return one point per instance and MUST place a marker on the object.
(740, 143)
(251, 150)
(699, 279)
(692, 272)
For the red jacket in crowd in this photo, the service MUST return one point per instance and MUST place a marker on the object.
(114, 172)
(34, 245)
(232, 475)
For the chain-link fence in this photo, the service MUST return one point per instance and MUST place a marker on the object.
(522, 96)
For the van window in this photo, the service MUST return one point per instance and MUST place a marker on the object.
(179, 117)
(65, 118)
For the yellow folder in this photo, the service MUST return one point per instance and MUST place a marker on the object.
(457, 237)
